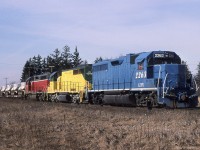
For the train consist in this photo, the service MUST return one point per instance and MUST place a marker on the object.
(157, 78)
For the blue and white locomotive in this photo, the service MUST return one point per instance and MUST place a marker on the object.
(157, 77)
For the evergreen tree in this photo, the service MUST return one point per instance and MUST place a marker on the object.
(98, 59)
(31, 68)
(66, 58)
(85, 62)
(197, 77)
(33, 65)
(49, 63)
(188, 72)
(25, 71)
(56, 60)
(38, 65)
(44, 68)
(76, 60)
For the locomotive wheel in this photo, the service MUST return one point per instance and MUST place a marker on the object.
(53, 98)
(98, 99)
(56, 98)
(74, 100)
(40, 98)
(27, 96)
(95, 100)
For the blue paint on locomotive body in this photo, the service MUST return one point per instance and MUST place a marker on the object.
(156, 71)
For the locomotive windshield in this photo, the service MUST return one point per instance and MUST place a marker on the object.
(163, 58)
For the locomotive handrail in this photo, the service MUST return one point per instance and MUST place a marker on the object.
(164, 85)
(158, 91)
(197, 88)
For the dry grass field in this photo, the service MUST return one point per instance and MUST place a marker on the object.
(57, 126)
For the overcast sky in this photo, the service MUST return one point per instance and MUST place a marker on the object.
(107, 28)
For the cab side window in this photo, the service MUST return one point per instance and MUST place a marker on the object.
(141, 65)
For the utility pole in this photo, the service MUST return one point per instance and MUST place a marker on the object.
(51, 67)
(6, 80)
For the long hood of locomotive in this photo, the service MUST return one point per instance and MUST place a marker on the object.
(171, 75)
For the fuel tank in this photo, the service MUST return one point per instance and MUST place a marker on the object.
(123, 100)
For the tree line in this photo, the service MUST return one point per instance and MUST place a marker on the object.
(57, 61)
(197, 77)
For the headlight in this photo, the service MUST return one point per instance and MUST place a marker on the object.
(183, 97)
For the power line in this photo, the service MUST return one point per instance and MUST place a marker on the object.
(9, 64)
(51, 67)
(6, 80)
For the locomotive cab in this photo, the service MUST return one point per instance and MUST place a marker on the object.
(173, 89)
(36, 86)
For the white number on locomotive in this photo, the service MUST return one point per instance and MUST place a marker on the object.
(141, 75)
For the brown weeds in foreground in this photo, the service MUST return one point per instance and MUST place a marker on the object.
(39, 125)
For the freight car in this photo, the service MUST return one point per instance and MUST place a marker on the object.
(14, 90)
(18, 90)
(157, 78)
(3, 91)
(21, 90)
(8, 90)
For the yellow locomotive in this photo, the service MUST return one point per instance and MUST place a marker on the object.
(70, 85)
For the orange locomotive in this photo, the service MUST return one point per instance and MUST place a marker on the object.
(36, 86)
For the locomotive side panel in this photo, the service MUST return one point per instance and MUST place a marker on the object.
(39, 86)
(112, 75)
(112, 81)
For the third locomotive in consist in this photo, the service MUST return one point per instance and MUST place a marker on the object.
(157, 78)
